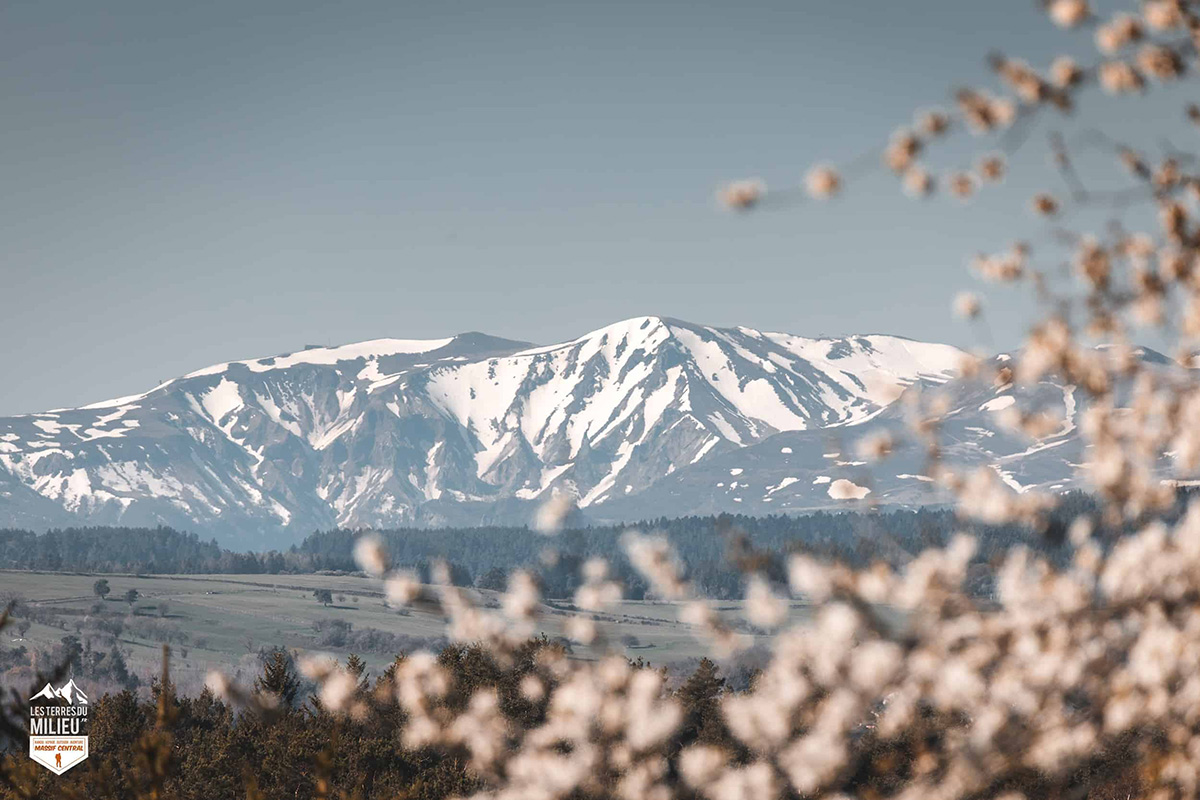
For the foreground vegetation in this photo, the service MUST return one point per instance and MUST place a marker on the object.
(286, 743)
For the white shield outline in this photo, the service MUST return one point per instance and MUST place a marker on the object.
(46, 757)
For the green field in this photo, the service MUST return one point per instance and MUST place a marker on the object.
(221, 621)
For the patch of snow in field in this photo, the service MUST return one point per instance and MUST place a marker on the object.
(1070, 407)
(280, 511)
(783, 484)
(49, 426)
(1037, 448)
(370, 373)
(998, 403)
(94, 433)
(842, 489)
(1009, 480)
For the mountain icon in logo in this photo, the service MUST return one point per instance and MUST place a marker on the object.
(68, 691)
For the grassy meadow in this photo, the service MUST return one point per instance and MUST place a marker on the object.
(223, 621)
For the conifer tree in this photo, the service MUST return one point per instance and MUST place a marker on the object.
(358, 668)
(278, 678)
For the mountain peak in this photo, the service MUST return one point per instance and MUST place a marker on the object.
(631, 331)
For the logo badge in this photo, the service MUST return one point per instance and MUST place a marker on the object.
(58, 723)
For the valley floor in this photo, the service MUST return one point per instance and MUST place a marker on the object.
(222, 621)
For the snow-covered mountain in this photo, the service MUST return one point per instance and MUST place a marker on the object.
(464, 430)
(806, 470)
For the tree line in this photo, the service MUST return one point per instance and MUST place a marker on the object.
(483, 556)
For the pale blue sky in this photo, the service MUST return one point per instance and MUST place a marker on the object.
(192, 183)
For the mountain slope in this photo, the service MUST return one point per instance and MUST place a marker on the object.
(462, 430)
(800, 471)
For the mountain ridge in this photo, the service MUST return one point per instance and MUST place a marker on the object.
(465, 429)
